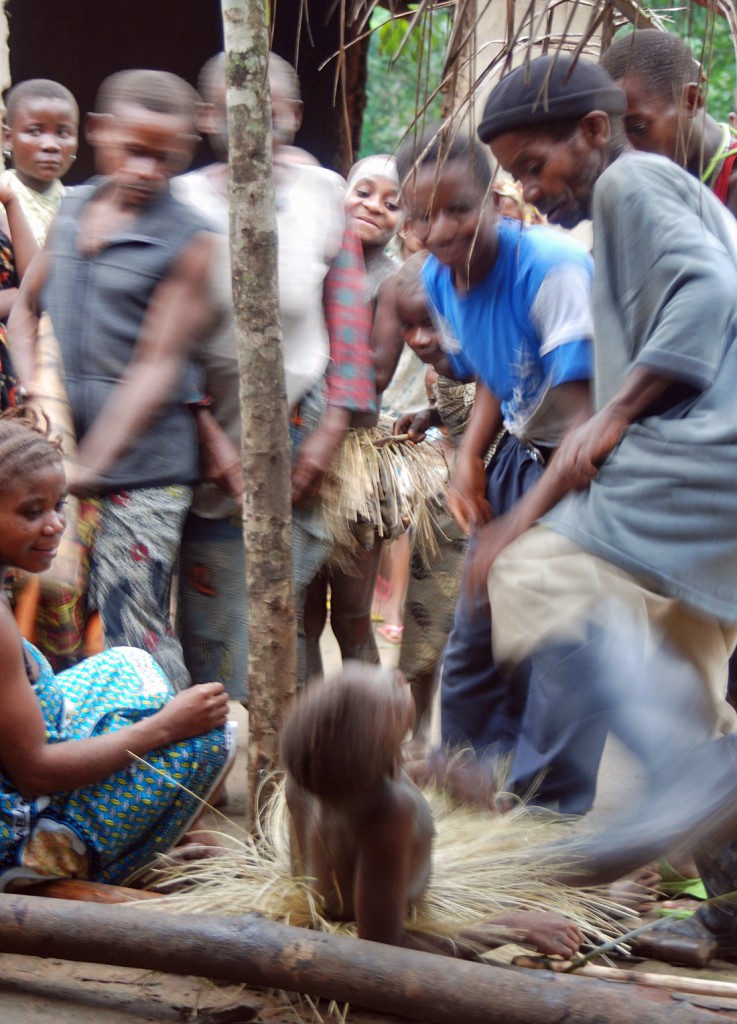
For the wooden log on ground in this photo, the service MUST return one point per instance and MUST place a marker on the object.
(255, 951)
(79, 889)
(672, 982)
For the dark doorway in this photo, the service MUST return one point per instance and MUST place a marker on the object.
(80, 42)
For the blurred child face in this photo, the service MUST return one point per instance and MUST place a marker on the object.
(653, 123)
(213, 120)
(418, 330)
(509, 208)
(43, 138)
(375, 204)
(141, 150)
(286, 111)
(452, 216)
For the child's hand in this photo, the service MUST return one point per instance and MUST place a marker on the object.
(467, 496)
(548, 933)
(415, 424)
(194, 711)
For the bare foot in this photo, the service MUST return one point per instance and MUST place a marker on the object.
(158, 877)
(188, 851)
(200, 837)
(680, 906)
(193, 851)
(547, 932)
(638, 890)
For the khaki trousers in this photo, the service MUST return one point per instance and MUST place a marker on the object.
(546, 588)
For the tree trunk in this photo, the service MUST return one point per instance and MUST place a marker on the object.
(266, 462)
(255, 951)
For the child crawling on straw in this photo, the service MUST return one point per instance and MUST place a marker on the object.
(361, 829)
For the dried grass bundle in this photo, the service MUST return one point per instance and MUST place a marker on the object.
(483, 865)
(383, 483)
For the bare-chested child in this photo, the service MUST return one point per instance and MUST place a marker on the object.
(361, 829)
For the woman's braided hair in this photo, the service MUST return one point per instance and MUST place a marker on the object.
(26, 443)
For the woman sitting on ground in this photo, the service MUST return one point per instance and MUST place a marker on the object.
(101, 766)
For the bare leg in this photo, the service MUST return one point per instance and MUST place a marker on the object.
(423, 690)
(399, 555)
(350, 614)
(315, 616)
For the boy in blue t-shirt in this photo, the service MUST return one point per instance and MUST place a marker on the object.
(513, 309)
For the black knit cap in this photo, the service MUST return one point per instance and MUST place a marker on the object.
(551, 88)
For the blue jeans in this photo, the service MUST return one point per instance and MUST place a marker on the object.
(605, 681)
(212, 610)
(481, 703)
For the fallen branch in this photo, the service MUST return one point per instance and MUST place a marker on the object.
(672, 982)
(254, 951)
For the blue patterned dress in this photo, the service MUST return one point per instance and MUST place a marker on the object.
(107, 831)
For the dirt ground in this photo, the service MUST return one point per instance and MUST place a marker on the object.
(35, 991)
(42, 991)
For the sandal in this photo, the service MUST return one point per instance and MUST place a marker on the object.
(688, 943)
(391, 632)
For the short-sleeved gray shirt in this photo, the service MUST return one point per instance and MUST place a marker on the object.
(664, 504)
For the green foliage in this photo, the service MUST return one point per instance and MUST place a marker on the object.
(708, 36)
(403, 71)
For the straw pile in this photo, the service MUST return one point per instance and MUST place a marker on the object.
(386, 484)
(483, 866)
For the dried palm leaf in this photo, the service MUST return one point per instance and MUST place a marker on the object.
(532, 27)
(385, 484)
(483, 865)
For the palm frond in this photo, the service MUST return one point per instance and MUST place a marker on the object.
(483, 866)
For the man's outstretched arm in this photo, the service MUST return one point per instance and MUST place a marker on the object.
(574, 465)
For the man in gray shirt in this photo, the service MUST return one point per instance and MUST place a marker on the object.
(623, 597)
